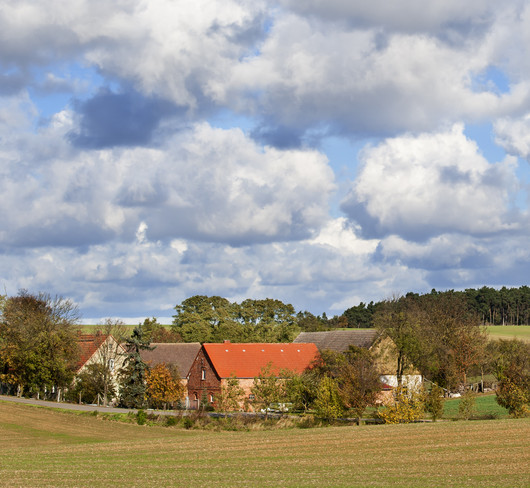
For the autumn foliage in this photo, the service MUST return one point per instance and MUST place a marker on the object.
(163, 386)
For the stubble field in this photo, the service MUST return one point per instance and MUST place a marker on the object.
(45, 448)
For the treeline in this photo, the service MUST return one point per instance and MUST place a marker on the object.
(506, 306)
(212, 319)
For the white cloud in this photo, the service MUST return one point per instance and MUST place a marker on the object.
(426, 185)
(313, 74)
(133, 229)
(513, 134)
(202, 183)
(406, 15)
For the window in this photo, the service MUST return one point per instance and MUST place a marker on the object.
(211, 398)
(111, 364)
(203, 374)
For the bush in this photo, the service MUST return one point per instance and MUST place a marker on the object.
(187, 422)
(141, 417)
(406, 407)
(512, 397)
(434, 403)
(467, 407)
(171, 420)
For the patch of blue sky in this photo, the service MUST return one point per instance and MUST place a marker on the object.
(227, 119)
(343, 156)
(492, 79)
(484, 136)
(54, 86)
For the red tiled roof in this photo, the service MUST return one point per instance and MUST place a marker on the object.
(88, 345)
(247, 359)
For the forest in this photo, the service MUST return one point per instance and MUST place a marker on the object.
(505, 306)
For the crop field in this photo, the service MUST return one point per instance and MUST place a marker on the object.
(48, 448)
(509, 332)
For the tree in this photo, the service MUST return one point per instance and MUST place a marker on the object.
(92, 384)
(514, 395)
(38, 341)
(133, 374)
(268, 320)
(204, 319)
(434, 402)
(155, 332)
(358, 380)
(301, 390)
(267, 389)
(399, 319)
(512, 368)
(354, 374)
(436, 333)
(307, 322)
(467, 405)
(164, 386)
(328, 403)
(231, 395)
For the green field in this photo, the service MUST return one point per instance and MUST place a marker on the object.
(92, 328)
(46, 448)
(509, 332)
(486, 407)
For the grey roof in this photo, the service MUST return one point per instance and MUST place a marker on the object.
(180, 354)
(340, 340)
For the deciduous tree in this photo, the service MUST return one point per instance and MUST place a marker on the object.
(231, 395)
(328, 404)
(358, 380)
(267, 389)
(164, 386)
(38, 341)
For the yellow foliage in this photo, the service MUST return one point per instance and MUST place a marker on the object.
(163, 385)
(405, 407)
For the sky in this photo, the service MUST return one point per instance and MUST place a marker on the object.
(322, 153)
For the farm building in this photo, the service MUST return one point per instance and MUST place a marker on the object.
(215, 363)
(100, 349)
(180, 355)
(383, 349)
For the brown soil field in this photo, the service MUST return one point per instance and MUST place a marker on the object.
(47, 448)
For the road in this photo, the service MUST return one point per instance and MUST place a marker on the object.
(75, 406)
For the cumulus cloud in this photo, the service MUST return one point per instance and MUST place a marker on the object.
(119, 119)
(426, 185)
(130, 198)
(201, 183)
(407, 15)
(513, 134)
(314, 75)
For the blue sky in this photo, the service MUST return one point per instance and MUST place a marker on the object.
(320, 153)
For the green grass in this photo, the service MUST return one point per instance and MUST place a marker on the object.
(509, 332)
(92, 328)
(46, 448)
(486, 407)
